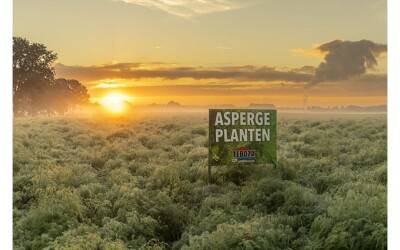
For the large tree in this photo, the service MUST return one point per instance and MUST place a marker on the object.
(35, 89)
(33, 74)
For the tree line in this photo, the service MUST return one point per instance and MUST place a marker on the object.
(36, 90)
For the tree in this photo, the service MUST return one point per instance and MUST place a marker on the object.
(33, 74)
(35, 89)
(67, 94)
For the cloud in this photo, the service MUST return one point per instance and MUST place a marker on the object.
(205, 90)
(305, 69)
(189, 8)
(366, 85)
(363, 85)
(138, 71)
(346, 59)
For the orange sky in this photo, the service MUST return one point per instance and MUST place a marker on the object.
(199, 52)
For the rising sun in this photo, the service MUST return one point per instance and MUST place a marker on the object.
(115, 102)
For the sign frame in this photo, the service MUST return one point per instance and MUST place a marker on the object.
(246, 151)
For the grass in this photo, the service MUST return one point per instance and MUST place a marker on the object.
(141, 183)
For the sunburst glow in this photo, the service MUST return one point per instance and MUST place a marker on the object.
(115, 102)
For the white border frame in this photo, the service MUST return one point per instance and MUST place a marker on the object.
(6, 228)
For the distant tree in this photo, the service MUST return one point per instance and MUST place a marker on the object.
(173, 104)
(67, 94)
(35, 89)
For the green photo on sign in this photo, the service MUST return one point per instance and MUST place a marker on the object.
(242, 136)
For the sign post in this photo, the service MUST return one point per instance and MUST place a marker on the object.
(242, 136)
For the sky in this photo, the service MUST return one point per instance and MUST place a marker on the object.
(201, 52)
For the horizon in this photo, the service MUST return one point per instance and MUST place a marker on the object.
(177, 105)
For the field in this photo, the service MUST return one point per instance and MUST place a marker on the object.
(141, 183)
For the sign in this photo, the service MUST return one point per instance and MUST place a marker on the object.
(242, 136)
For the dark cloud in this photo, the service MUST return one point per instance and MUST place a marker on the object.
(135, 71)
(346, 59)
(363, 85)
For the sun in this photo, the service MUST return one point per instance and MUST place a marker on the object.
(115, 102)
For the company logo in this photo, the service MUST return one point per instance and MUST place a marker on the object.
(244, 154)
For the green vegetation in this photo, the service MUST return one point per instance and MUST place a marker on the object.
(142, 184)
